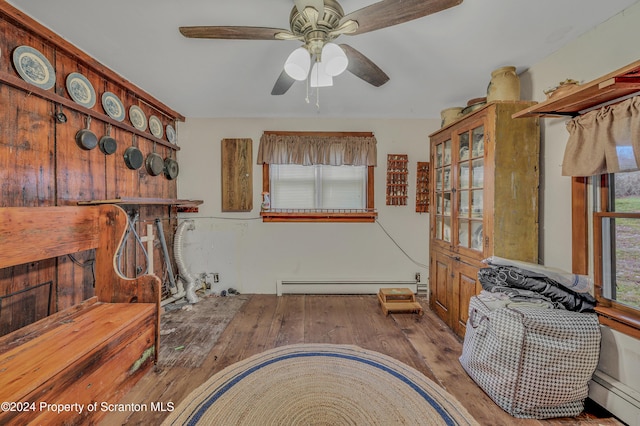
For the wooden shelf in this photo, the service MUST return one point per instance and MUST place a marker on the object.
(615, 85)
(18, 83)
(144, 201)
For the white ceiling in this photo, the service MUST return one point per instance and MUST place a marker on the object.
(435, 62)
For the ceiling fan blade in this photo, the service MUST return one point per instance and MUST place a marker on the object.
(387, 13)
(363, 67)
(232, 33)
(283, 83)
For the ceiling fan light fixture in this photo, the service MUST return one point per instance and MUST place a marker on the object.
(319, 76)
(298, 63)
(334, 59)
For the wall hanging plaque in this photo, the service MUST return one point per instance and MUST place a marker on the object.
(422, 187)
(237, 180)
(397, 179)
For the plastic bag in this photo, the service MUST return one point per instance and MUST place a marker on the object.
(575, 282)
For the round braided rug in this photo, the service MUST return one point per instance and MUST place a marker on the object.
(319, 384)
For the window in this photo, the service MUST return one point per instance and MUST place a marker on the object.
(604, 144)
(618, 224)
(318, 176)
(318, 187)
(616, 232)
(319, 193)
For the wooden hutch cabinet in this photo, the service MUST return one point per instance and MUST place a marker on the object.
(484, 202)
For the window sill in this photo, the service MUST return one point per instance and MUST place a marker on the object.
(350, 216)
(624, 322)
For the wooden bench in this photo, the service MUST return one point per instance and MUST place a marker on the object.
(90, 353)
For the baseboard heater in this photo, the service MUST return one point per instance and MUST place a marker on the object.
(618, 398)
(350, 286)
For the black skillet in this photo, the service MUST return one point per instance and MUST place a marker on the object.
(133, 157)
(108, 145)
(171, 168)
(85, 138)
(154, 163)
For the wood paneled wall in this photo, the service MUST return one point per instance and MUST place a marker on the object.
(42, 165)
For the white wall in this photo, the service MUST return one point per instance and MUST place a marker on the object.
(251, 256)
(606, 48)
(611, 45)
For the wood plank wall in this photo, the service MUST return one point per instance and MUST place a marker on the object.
(41, 165)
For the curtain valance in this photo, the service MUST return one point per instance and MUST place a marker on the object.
(313, 149)
(606, 140)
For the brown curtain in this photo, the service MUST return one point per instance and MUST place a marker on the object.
(317, 149)
(606, 140)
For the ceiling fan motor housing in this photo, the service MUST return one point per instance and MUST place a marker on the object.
(315, 29)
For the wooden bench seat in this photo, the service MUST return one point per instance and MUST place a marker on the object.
(89, 353)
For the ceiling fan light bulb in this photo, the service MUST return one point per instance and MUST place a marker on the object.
(319, 77)
(298, 63)
(334, 59)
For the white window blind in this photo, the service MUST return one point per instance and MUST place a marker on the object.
(318, 187)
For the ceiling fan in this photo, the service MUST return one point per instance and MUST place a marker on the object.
(316, 23)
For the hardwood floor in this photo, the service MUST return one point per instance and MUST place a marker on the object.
(267, 321)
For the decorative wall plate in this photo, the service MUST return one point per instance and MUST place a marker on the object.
(113, 106)
(137, 118)
(81, 90)
(171, 133)
(155, 126)
(33, 67)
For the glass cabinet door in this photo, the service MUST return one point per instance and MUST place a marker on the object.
(443, 191)
(470, 188)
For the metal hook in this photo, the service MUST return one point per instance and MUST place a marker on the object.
(59, 115)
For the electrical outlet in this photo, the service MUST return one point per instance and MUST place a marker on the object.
(216, 277)
(417, 277)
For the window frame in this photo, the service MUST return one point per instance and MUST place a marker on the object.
(333, 215)
(616, 315)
